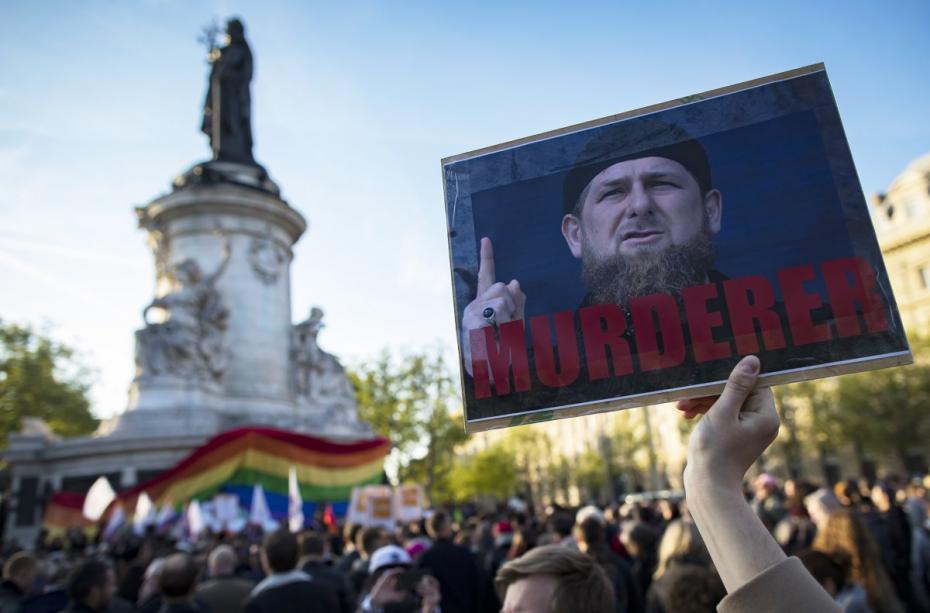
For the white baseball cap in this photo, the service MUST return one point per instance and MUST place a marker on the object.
(389, 555)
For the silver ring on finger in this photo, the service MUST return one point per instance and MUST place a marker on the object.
(489, 316)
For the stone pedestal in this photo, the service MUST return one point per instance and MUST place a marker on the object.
(218, 349)
(200, 222)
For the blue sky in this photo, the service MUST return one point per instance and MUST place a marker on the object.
(355, 103)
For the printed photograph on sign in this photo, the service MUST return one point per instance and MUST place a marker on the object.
(635, 259)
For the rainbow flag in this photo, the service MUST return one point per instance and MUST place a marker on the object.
(64, 511)
(236, 460)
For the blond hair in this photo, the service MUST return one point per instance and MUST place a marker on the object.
(680, 541)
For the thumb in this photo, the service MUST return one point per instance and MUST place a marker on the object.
(739, 385)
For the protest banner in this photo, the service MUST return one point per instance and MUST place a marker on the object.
(380, 506)
(372, 505)
(409, 502)
(357, 511)
(635, 259)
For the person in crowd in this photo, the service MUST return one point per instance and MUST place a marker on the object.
(223, 590)
(503, 543)
(851, 496)
(54, 596)
(287, 589)
(463, 586)
(368, 541)
(641, 541)
(555, 579)
(591, 538)
(394, 586)
(892, 532)
(689, 588)
(350, 552)
(177, 583)
(832, 572)
(915, 505)
(91, 587)
(313, 562)
(820, 504)
(485, 546)
(561, 524)
(681, 546)
(19, 575)
(845, 532)
(150, 600)
(523, 540)
(736, 428)
(767, 501)
(795, 532)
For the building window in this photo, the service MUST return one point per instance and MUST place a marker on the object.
(27, 501)
(924, 272)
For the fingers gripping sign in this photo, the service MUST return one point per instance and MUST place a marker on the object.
(495, 303)
(736, 428)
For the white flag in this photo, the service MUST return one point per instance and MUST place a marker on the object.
(165, 516)
(226, 509)
(117, 519)
(144, 515)
(295, 504)
(98, 498)
(195, 521)
(259, 513)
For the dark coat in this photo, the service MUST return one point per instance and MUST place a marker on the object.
(336, 581)
(296, 597)
(181, 608)
(79, 607)
(223, 594)
(10, 596)
(463, 586)
(50, 602)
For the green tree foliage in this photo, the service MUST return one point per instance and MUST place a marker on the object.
(591, 471)
(489, 472)
(880, 413)
(42, 378)
(886, 411)
(410, 399)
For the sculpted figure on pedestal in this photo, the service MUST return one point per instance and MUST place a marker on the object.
(320, 378)
(189, 340)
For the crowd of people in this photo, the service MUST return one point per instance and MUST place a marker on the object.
(867, 545)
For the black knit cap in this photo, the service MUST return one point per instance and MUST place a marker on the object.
(630, 140)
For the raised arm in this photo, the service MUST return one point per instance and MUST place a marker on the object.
(734, 431)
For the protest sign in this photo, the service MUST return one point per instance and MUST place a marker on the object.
(634, 259)
(357, 512)
(380, 506)
(409, 501)
(372, 505)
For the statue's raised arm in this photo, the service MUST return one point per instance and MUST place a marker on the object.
(210, 279)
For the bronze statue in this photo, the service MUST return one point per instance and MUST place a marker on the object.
(227, 111)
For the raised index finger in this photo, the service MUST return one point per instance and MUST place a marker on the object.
(486, 273)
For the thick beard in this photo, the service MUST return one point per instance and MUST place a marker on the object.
(617, 278)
